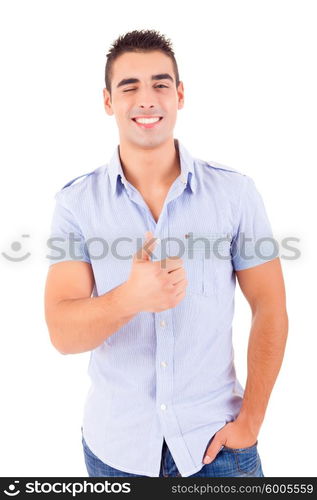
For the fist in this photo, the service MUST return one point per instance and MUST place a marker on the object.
(156, 285)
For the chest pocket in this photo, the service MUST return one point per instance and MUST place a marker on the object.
(206, 266)
(201, 275)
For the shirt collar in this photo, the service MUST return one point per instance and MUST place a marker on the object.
(186, 162)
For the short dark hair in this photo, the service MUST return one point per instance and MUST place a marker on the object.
(139, 41)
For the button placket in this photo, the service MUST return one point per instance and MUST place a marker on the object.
(163, 362)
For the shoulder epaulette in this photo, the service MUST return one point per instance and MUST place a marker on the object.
(219, 166)
(73, 180)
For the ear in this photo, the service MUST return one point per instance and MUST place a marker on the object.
(180, 94)
(107, 101)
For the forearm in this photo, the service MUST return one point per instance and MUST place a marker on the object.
(266, 348)
(83, 324)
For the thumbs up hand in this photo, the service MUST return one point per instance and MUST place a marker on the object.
(152, 286)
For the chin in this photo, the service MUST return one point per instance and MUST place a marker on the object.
(149, 142)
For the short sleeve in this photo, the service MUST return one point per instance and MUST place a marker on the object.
(253, 242)
(66, 241)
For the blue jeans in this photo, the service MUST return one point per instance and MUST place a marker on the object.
(230, 462)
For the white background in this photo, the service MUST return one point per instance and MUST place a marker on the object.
(249, 72)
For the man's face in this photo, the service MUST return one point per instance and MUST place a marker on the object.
(144, 97)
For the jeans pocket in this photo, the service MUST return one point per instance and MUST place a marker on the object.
(241, 449)
(247, 459)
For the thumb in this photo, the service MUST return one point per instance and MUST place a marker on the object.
(213, 450)
(144, 253)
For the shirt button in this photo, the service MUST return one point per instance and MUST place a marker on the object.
(163, 364)
(162, 323)
(163, 407)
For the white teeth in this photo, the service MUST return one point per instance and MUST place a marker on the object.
(147, 120)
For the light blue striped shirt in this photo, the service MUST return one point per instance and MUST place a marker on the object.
(169, 374)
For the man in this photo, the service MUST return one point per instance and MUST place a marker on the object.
(157, 315)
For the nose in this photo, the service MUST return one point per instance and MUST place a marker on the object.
(145, 106)
(146, 99)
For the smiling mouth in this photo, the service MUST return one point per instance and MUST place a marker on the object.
(147, 122)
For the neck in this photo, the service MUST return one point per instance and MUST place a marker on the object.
(150, 168)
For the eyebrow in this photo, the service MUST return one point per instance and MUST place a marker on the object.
(161, 76)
